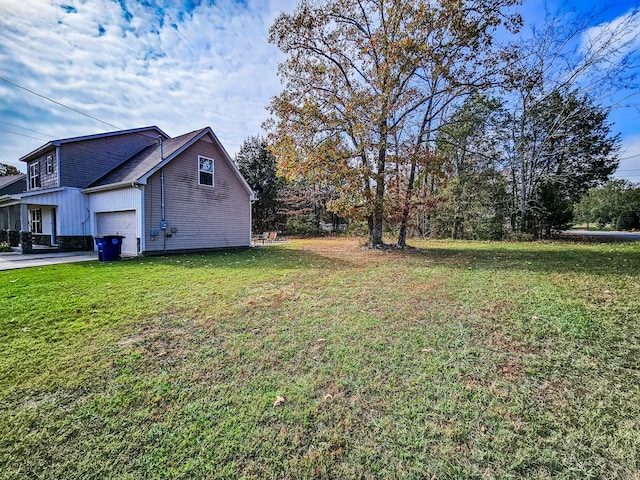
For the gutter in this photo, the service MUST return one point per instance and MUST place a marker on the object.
(33, 193)
(113, 186)
(8, 200)
(39, 150)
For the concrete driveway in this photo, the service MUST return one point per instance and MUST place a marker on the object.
(13, 260)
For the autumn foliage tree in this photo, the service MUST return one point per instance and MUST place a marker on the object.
(6, 170)
(358, 73)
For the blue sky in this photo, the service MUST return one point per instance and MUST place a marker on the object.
(180, 65)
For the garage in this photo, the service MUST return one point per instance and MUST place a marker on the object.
(119, 223)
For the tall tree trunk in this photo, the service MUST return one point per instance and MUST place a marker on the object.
(402, 236)
(375, 234)
(523, 198)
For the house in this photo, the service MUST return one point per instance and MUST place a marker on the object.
(162, 194)
(10, 213)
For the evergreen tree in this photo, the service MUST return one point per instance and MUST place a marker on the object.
(558, 148)
(258, 167)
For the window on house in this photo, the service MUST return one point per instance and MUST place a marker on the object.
(36, 221)
(34, 175)
(49, 164)
(205, 171)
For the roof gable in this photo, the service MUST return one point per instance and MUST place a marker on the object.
(141, 166)
(57, 143)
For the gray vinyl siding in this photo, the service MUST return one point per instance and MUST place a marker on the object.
(84, 162)
(47, 180)
(204, 216)
(72, 209)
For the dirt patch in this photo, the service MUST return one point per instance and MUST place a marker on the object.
(165, 341)
(552, 394)
(348, 251)
(35, 402)
(494, 311)
(497, 340)
(510, 369)
(435, 284)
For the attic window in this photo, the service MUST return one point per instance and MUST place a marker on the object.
(34, 175)
(205, 171)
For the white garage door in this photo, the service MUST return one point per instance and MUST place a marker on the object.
(119, 223)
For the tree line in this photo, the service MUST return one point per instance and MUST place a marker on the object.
(440, 117)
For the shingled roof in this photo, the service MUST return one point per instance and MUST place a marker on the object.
(145, 161)
(148, 161)
(7, 180)
(61, 141)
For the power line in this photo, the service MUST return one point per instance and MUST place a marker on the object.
(23, 135)
(632, 156)
(58, 103)
(27, 129)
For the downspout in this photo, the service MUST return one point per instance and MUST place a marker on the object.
(251, 220)
(163, 223)
(143, 233)
(140, 220)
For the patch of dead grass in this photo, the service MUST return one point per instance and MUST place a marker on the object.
(165, 341)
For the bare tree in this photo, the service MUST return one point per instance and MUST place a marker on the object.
(569, 59)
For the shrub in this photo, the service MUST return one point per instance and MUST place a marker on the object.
(301, 225)
(357, 229)
(518, 236)
(627, 221)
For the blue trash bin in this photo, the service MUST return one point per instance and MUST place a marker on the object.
(109, 247)
(100, 244)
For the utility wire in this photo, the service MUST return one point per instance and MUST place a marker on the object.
(631, 156)
(23, 135)
(58, 103)
(27, 129)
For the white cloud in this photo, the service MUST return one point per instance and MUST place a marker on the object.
(616, 39)
(134, 65)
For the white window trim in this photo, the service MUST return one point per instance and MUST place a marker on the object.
(212, 172)
(34, 175)
(36, 221)
(49, 164)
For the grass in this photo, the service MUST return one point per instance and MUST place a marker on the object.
(452, 360)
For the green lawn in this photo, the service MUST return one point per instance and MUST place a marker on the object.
(451, 360)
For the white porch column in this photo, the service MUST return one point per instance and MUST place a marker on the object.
(24, 218)
(26, 241)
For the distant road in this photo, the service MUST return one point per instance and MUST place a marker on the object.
(604, 236)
